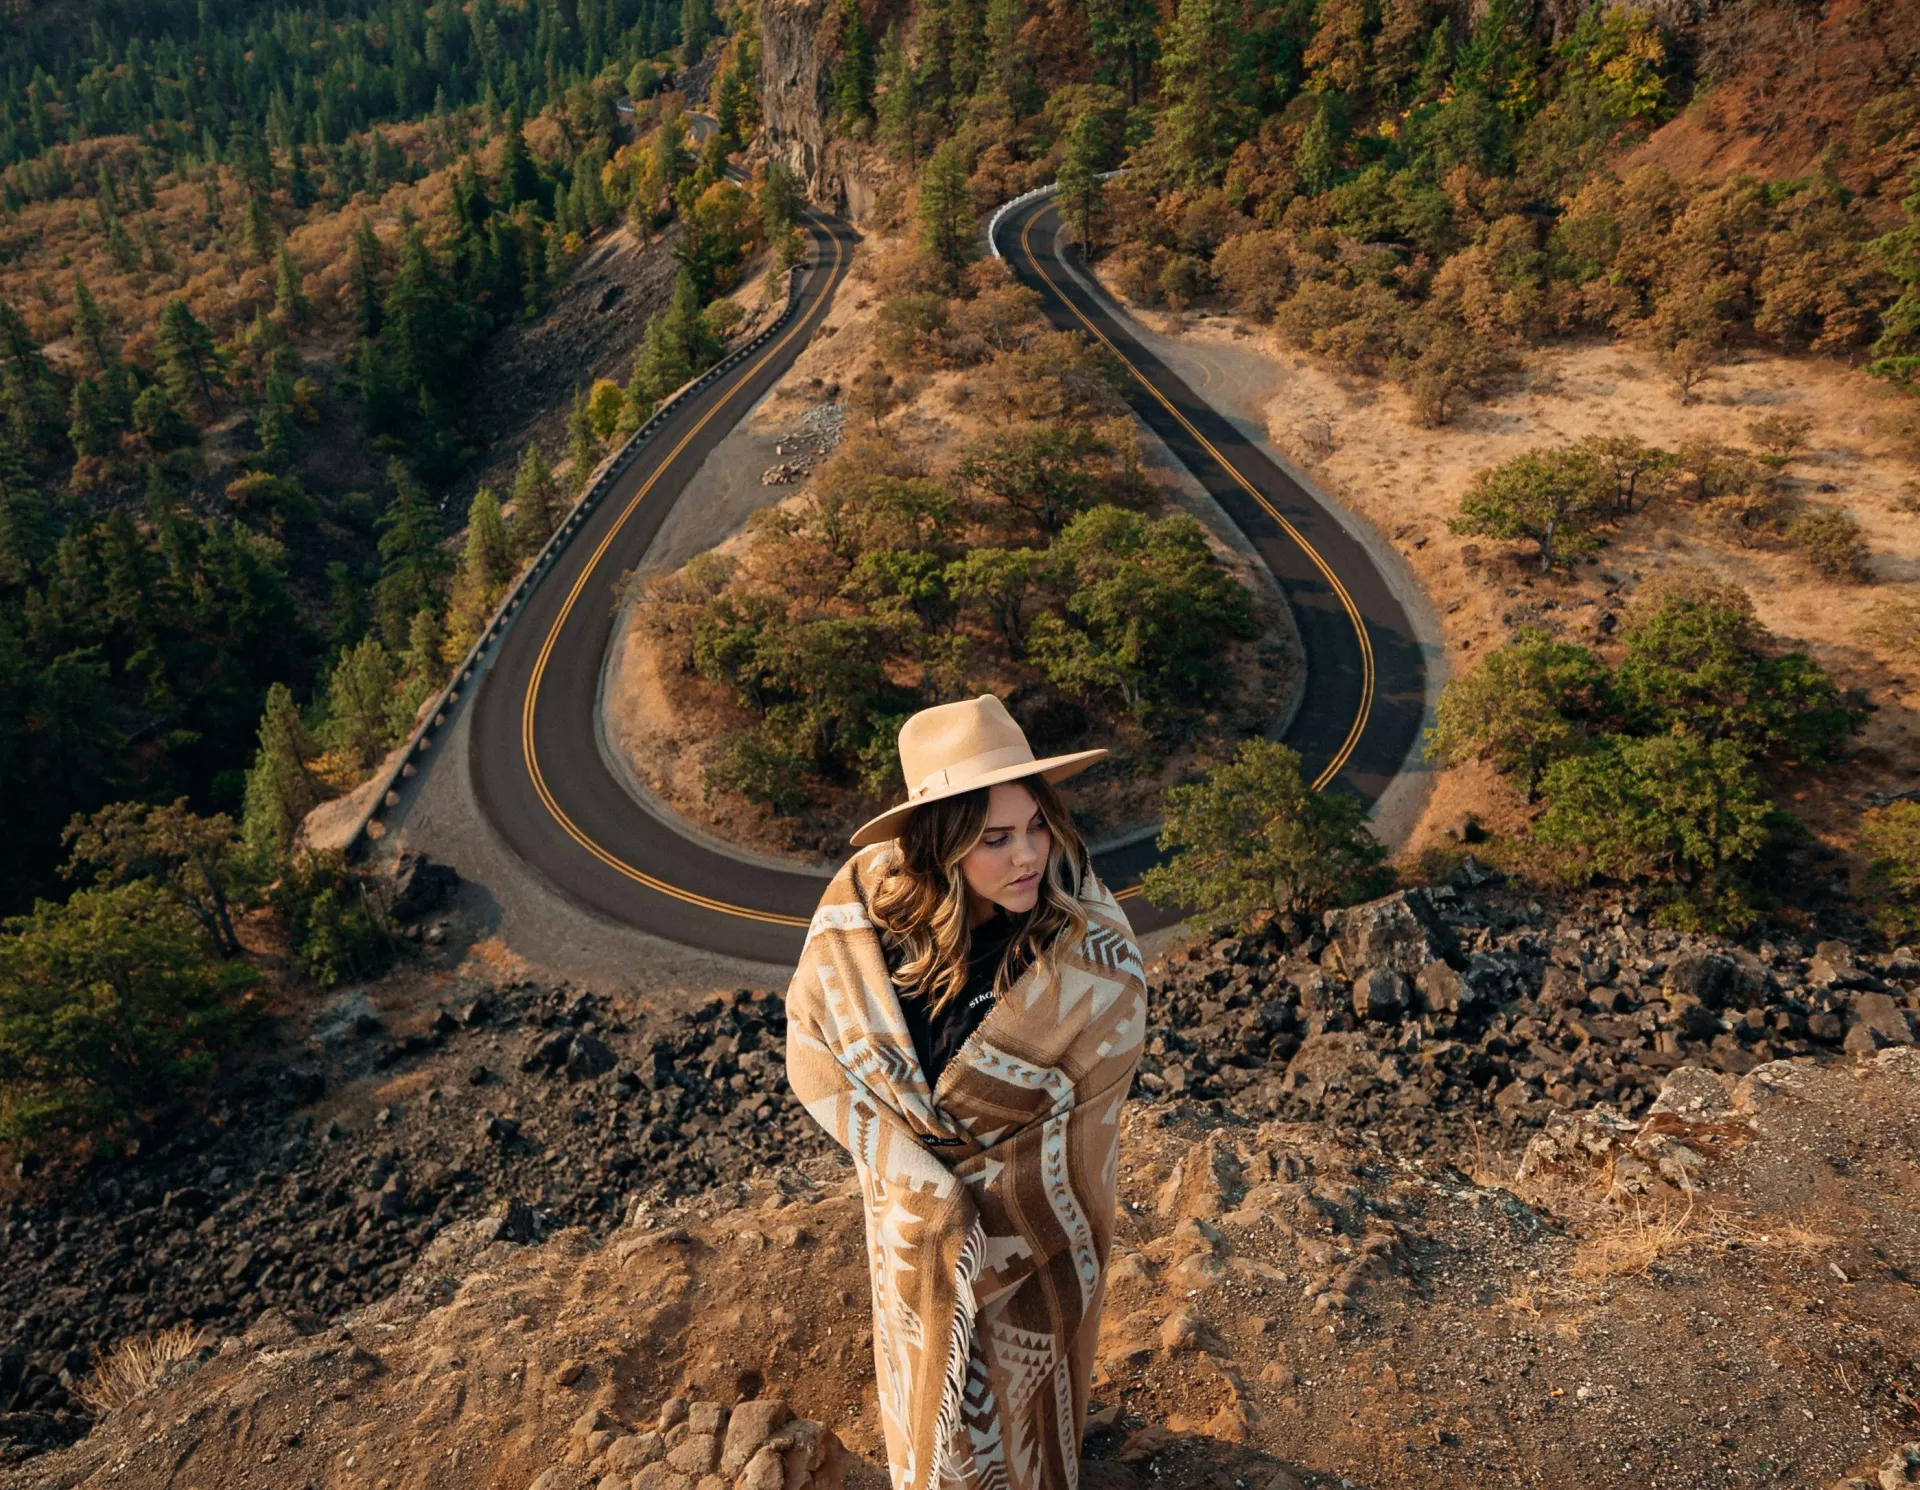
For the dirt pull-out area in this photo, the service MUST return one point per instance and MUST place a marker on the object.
(1723, 1293)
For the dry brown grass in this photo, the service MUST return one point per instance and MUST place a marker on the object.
(137, 1365)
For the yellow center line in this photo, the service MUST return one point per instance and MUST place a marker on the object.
(605, 856)
(1353, 611)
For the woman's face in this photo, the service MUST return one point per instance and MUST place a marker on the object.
(1005, 866)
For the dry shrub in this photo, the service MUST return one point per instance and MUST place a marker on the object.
(1893, 622)
(138, 1364)
(1830, 542)
(1630, 1244)
(1781, 435)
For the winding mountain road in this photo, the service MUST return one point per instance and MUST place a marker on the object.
(535, 747)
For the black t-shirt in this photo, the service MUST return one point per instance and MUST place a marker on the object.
(937, 1037)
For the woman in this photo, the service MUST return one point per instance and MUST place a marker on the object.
(965, 1020)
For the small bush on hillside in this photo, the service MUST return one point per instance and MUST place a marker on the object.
(1830, 542)
(1893, 622)
(336, 922)
(1781, 435)
(1890, 842)
(1254, 839)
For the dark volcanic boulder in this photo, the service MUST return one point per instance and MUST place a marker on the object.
(421, 887)
(1401, 932)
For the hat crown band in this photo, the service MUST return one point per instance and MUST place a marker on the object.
(960, 773)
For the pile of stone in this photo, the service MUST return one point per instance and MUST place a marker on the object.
(755, 1445)
(1434, 1013)
(821, 428)
(539, 1100)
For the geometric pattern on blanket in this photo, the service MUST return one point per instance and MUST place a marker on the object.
(988, 1197)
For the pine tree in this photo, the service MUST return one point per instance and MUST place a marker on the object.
(519, 181)
(90, 328)
(1202, 76)
(536, 502)
(583, 448)
(853, 74)
(899, 101)
(1121, 34)
(411, 560)
(426, 642)
(1313, 158)
(485, 568)
(27, 531)
(1080, 187)
(696, 28)
(946, 208)
(422, 321)
(359, 696)
(90, 425)
(190, 362)
(29, 398)
(281, 789)
(488, 558)
(366, 278)
(290, 301)
(1008, 72)
(257, 229)
(299, 183)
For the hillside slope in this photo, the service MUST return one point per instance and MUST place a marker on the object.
(1724, 1292)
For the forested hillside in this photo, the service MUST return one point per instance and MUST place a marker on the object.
(249, 254)
(1423, 189)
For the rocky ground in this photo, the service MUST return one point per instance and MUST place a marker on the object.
(1431, 1034)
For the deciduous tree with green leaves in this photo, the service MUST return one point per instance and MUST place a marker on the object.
(192, 860)
(1148, 609)
(1255, 840)
(1669, 808)
(110, 1006)
(1525, 706)
(1554, 499)
(1697, 656)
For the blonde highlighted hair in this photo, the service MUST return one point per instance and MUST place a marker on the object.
(922, 905)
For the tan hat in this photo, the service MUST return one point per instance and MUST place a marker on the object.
(955, 748)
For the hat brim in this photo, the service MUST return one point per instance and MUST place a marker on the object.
(1054, 768)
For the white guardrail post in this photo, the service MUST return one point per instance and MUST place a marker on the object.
(421, 740)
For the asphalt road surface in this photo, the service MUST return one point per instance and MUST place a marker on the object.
(535, 741)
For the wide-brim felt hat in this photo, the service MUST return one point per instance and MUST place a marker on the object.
(961, 747)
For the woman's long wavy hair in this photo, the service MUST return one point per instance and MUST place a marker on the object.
(922, 904)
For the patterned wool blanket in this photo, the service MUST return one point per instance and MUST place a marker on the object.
(989, 1197)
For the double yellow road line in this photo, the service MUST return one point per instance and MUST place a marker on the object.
(706, 902)
(606, 856)
(1365, 711)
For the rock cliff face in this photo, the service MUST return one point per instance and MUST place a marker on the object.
(796, 71)
(798, 46)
